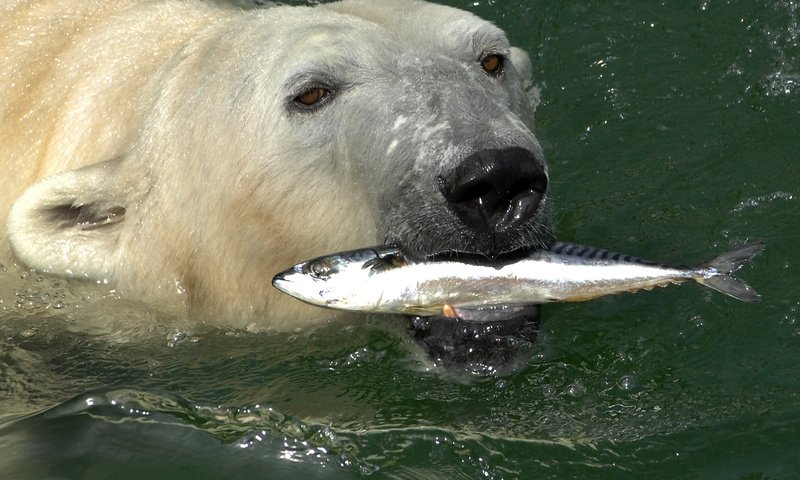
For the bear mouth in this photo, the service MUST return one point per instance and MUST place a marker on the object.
(450, 242)
(471, 257)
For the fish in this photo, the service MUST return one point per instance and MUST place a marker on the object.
(383, 279)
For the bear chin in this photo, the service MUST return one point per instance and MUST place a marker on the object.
(490, 343)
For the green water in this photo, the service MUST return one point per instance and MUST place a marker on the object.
(672, 130)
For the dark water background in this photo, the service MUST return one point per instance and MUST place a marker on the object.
(672, 131)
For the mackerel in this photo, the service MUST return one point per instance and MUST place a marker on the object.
(385, 280)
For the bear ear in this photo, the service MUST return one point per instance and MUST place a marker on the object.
(522, 62)
(69, 223)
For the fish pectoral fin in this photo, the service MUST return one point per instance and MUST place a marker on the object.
(385, 262)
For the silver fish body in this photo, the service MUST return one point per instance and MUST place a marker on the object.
(383, 280)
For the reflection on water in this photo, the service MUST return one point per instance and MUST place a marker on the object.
(128, 432)
(628, 384)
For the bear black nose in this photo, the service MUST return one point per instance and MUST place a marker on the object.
(493, 190)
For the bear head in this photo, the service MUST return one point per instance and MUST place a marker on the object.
(275, 135)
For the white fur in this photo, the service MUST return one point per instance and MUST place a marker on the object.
(165, 124)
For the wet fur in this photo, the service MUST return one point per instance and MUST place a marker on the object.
(167, 127)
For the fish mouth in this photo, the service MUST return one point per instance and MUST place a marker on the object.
(484, 342)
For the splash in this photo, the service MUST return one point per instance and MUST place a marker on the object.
(760, 200)
(785, 42)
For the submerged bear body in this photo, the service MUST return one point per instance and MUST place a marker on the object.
(185, 151)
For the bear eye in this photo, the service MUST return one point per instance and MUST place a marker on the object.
(493, 64)
(313, 96)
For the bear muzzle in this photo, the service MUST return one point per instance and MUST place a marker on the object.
(492, 191)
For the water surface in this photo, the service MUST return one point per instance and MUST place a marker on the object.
(672, 130)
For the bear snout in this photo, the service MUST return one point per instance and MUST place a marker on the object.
(495, 190)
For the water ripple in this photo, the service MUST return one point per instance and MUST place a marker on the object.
(760, 200)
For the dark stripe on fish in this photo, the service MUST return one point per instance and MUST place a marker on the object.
(582, 251)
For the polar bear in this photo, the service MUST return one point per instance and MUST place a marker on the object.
(187, 150)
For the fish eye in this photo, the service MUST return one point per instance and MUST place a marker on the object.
(320, 269)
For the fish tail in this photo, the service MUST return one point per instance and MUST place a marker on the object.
(723, 267)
